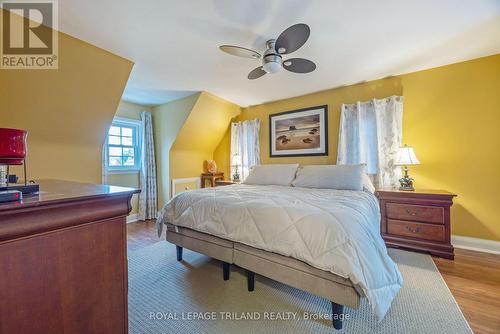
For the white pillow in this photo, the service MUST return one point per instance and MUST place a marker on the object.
(341, 177)
(281, 175)
(368, 184)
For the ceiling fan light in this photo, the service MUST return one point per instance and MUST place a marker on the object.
(271, 67)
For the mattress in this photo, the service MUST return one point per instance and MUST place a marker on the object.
(333, 230)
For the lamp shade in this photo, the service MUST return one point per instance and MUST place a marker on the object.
(406, 157)
(12, 146)
(236, 161)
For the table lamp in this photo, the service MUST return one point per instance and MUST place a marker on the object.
(406, 157)
(236, 162)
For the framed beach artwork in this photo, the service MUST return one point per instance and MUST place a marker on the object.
(302, 132)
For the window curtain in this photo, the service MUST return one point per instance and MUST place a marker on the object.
(148, 195)
(104, 176)
(371, 133)
(245, 144)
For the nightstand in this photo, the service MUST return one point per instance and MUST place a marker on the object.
(417, 220)
(212, 177)
(219, 183)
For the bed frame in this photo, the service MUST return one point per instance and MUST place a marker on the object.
(287, 270)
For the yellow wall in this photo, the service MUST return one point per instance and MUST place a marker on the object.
(181, 187)
(333, 98)
(200, 135)
(167, 121)
(222, 153)
(66, 111)
(130, 111)
(451, 118)
(186, 133)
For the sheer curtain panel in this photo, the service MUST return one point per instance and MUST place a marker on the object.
(371, 133)
(245, 144)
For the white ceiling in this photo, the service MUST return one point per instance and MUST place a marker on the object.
(174, 44)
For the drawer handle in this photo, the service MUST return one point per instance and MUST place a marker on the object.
(413, 213)
(413, 230)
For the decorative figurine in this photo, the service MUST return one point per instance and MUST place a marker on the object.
(406, 181)
(211, 166)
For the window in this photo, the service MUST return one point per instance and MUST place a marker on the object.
(124, 149)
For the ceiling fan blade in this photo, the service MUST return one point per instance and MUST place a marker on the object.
(239, 51)
(292, 38)
(256, 73)
(299, 65)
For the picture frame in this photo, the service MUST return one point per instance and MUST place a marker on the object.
(300, 132)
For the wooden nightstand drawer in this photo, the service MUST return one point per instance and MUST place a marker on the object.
(418, 220)
(429, 214)
(416, 230)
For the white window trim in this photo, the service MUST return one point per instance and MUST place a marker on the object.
(126, 170)
(138, 147)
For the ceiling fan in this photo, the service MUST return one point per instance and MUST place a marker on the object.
(289, 41)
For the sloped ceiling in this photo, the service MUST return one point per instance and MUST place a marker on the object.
(174, 43)
(168, 120)
(200, 135)
(207, 123)
(66, 111)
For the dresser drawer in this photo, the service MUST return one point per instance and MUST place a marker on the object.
(416, 230)
(428, 214)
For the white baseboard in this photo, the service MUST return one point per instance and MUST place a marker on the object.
(475, 244)
(132, 218)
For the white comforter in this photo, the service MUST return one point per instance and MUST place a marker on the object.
(334, 230)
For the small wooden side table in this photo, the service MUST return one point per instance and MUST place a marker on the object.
(212, 177)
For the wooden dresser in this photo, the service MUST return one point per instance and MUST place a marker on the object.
(418, 220)
(63, 260)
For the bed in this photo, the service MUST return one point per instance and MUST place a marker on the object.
(323, 241)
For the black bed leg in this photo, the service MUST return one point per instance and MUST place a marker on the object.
(337, 315)
(225, 270)
(250, 280)
(179, 253)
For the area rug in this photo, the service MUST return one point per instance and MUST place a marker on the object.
(166, 296)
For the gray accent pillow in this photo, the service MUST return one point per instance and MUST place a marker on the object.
(281, 175)
(341, 177)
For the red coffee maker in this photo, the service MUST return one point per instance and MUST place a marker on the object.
(13, 152)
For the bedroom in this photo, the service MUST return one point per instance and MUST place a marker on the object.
(142, 98)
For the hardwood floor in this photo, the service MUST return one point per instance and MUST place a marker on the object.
(141, 234)
(473, 278)
(474, 281)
